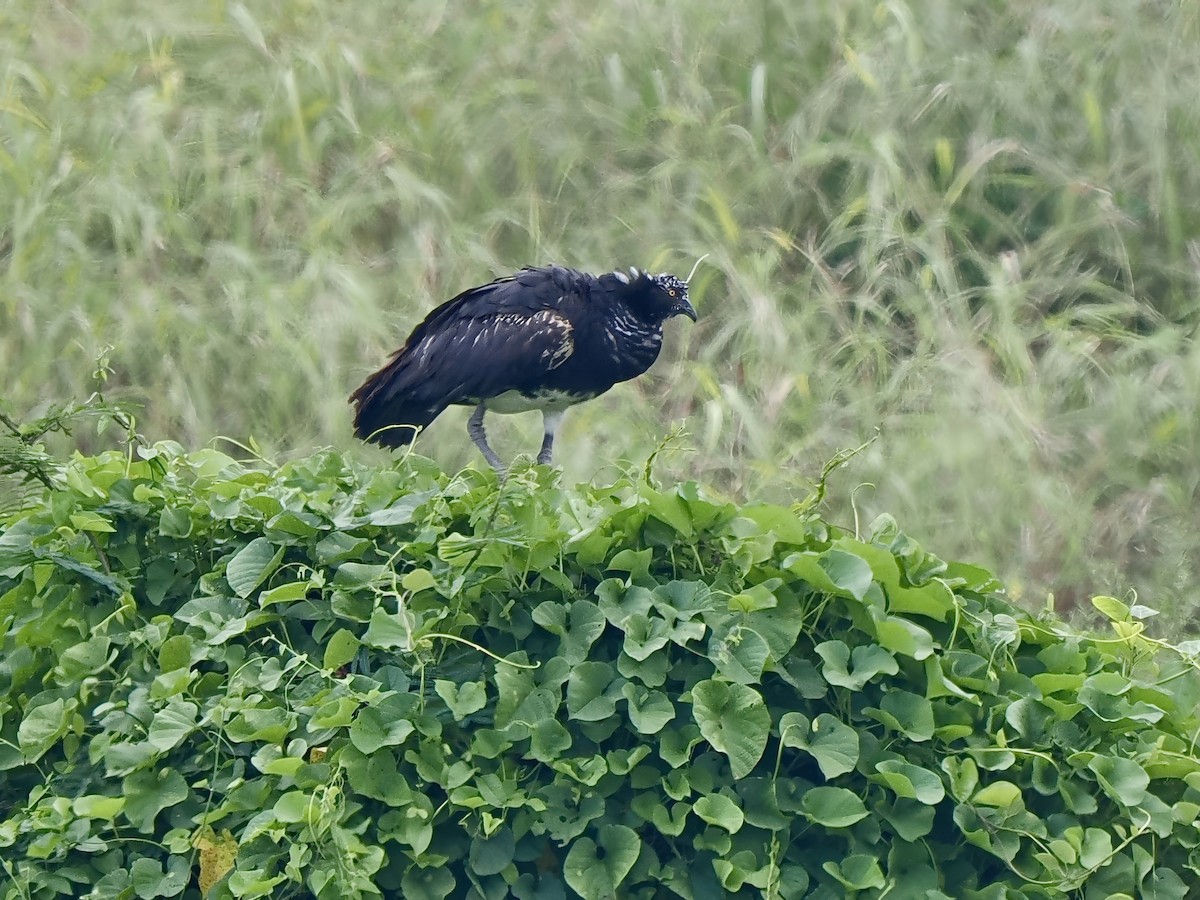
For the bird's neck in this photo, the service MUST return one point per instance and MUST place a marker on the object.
(634, 342)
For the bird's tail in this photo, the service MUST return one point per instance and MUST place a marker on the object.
(385, 410)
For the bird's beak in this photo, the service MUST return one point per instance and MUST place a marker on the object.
(684, 308)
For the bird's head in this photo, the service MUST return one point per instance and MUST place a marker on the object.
(657, 298)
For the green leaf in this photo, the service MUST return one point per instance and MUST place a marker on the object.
(717, 809)
(1122, 779)
(635, 562)
(1104, 694)
(149, 792)
(97, 806)
(285, 593)
(668, 508)
(579, 626)
(93, 574)
(85, 658)
(150, 881)
(910, 819)
(175, 523)
(41, 729)
(755, 599)
(549, 739)
(853, 670)
(1113, 608)
(297, 806)
(833, 807)
(734, 720)
(175, 653)
(252, 565)
(401, 511)
(934, 600)
(649, 710)
(462, 700)
(270, 724)
(378, 776)
(352, 575)
(1096, 848)
(670, 822)
(387, 630)
(253, 883)
(964, 777)
(644, 635)
(849, 572)
(434, 883)
(418, 580)
(595, 869)
(760, 801)
(338, 547)
(172, 724)
(387, 724)
(568, 812)
(833, 744)
(998, 793)
(904, 637)
(906, 780)
(86, 520)
(857, 872)
(336, 712)
(340, 649)
(591, 692)
(907, 713)
(490, 856)
(740, 653)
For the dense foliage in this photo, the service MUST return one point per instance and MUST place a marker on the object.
(969, 223)
(323, 680)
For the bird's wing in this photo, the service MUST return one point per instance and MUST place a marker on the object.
(530, 290)
(472, 357)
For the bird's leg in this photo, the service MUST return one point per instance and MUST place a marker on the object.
(475, 430)
(551, 419)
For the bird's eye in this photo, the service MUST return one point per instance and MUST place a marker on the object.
(670, 292)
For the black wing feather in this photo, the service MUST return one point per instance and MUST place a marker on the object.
(498, 337)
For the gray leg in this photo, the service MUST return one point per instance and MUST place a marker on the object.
(475, 430)
(550, 423)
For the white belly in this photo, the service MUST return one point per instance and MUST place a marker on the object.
(516, 402)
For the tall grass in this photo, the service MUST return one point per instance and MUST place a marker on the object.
(971, 226)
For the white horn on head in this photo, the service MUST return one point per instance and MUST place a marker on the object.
(688, 280)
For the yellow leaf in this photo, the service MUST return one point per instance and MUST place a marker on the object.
(1095, 118)
(217, 853)
(19, 110)
(724, 215)
(852, 59)
(944, 152)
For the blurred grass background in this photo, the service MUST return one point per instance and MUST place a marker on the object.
(970, 224)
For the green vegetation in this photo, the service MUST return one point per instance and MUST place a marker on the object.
(334, 680)
(971, 225)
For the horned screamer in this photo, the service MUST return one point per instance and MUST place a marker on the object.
(543, 338)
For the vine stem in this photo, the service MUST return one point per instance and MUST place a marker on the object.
(483, 650)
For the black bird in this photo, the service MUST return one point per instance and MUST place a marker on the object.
(543, 338)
